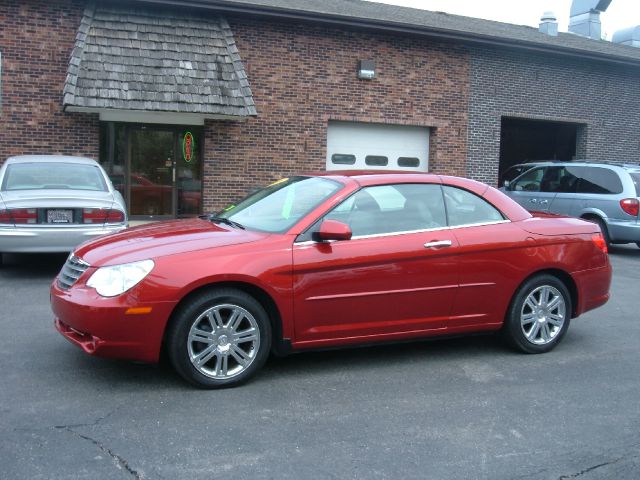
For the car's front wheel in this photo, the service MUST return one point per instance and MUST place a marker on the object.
(539, 315)
(219, 338)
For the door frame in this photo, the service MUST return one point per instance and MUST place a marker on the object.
(173, 128)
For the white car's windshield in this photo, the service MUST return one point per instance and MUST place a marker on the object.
(53, 176)
(279, 206)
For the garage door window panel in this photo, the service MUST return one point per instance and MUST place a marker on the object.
(343, 159)
(376, 161)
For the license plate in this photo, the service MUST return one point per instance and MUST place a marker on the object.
(59, 216)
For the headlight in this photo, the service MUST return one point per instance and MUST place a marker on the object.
(117, 279)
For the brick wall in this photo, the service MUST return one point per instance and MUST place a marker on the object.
(603, 98)
(302, 76)
(36, 39)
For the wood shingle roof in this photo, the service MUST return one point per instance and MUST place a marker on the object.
(150, 59)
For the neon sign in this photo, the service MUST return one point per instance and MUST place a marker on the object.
(188, 146)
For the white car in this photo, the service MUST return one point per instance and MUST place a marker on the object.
(51, 203)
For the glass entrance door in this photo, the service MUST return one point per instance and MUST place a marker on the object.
(151, 172)
(157, 168)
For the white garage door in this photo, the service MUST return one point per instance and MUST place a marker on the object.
(372, 146)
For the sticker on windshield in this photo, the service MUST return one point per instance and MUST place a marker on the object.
(278, 182)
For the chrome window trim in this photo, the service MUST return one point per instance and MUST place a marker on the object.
(409, 232)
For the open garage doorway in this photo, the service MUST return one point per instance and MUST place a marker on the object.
(523, 140)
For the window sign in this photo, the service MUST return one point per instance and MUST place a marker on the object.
(188, 146)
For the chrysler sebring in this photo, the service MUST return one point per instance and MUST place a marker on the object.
(328, 260)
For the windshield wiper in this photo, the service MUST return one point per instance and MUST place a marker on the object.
(226, 221)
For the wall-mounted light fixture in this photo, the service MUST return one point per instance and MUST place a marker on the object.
(366, 69)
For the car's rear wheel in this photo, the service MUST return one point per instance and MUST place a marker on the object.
(220, 338)
(539, 315)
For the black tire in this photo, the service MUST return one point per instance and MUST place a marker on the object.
(221, 305)
(515, 325)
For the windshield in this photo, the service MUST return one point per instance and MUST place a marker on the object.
(279, 206)
(51, 176)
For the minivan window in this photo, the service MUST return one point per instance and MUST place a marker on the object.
(600, 180)
(529, 182)
(561, 179)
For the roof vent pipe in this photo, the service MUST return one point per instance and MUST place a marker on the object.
(628, 36)
(549, 24)
(585, 17)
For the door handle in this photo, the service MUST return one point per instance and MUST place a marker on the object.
(438, 244)
(544, 202)
(533, 200)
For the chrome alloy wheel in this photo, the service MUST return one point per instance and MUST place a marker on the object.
(543, 315)
(223, 341)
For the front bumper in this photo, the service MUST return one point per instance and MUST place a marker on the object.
(46, 239)
(106, 327)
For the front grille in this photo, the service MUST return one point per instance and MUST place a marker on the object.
(73, 268)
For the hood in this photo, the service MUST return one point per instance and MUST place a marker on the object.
(56, 198)
(551, 225)
(161, 239)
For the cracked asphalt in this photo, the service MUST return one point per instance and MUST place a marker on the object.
(465, 408)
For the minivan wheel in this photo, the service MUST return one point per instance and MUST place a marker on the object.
(220, 338)
(539, 315)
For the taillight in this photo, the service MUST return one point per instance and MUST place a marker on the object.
(102, 215)
(94, 215)
(599, 241)
(5, 217)
(115, 216)
(24, 215)
(630, 206)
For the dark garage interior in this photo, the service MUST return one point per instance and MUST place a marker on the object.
(524, 140)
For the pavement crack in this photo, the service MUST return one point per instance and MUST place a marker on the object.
(95, 423)
(590, 469)
(123, 463)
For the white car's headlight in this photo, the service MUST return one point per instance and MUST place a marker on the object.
(117, 279)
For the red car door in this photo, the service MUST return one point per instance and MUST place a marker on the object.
(491, 260)
(396, 277)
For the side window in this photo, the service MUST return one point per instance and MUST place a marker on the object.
(392, 209)
(530, 181)
(569, 178)
(599, 180)
(466, 208)
(561, 179)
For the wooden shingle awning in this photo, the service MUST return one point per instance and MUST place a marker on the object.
(147, 59)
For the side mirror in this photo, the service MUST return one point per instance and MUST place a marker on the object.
(332, 230)
(506, 184)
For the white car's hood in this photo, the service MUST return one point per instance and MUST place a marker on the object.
(56, 199)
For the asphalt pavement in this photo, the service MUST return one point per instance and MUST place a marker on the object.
(466, 408)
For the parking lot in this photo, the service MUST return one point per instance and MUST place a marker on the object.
(460, 408)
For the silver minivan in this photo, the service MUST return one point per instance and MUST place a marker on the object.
(607, 194)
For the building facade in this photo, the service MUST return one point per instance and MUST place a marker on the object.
(189, 108)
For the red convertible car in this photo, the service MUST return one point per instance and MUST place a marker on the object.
(327, 260)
